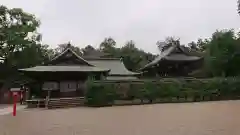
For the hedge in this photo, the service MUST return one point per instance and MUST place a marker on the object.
(164, 90)
(99, 95)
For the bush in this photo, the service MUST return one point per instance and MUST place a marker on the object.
(100, 95)
(150, 91)
(168, 89)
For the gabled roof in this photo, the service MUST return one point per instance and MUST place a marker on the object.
(173, 53)
(67, 61)
(89, 64)
(68, 52)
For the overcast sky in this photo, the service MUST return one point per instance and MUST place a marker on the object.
(86, 22)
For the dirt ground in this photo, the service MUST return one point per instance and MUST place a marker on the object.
(209, 118)
(4, 105)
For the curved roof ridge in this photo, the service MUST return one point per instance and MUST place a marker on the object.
(160, 57)
(164, 54)
(126, 68)
(117, 67)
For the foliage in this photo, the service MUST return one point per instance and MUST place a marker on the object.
(199, 46)
(133, 57)
(19, 39)
(88, 50)
(99, 95)
(108, 45)
(20, 43)
(183, 90)
(221, 57)
(17, 31)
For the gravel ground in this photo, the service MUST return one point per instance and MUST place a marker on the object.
(209, 118)
(4, 106)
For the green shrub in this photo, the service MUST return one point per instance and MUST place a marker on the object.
(151, 91)
(133, 92)
(100, 95)
(185, 89)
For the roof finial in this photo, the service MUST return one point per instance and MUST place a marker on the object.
(68, 44)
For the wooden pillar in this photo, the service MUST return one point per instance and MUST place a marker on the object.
(49, 93)
(47, 98)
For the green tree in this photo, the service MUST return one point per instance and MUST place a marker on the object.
(220, 54)
(20, 43)
(130, 56)
(199, 46)
(18, 30)
(108, 45)
(88, 50)
(133, 57)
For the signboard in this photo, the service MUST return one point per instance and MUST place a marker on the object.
(15, 89)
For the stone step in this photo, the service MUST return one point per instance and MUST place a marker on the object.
(74, 98)
(65, 102)
(75, 101)
(52, 104)
(60, 106)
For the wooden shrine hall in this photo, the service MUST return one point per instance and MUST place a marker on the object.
(66, 74)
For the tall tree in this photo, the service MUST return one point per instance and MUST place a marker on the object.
(20, 43)
(108, 45)
(200, 45)
(221, 58)
(88, 50)
(18, 30)
(133, 57)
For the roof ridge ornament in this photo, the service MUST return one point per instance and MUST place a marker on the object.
(69, 45)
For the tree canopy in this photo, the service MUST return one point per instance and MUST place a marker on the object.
(19, 39)
(20, 43)
(222, 53)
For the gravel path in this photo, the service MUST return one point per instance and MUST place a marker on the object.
(9, 109)
(4, 106)
(209, 118)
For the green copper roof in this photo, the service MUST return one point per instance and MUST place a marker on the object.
(65, 69)
(116, 66)
(83, 64)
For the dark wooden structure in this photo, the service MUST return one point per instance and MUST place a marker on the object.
(175, 61)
